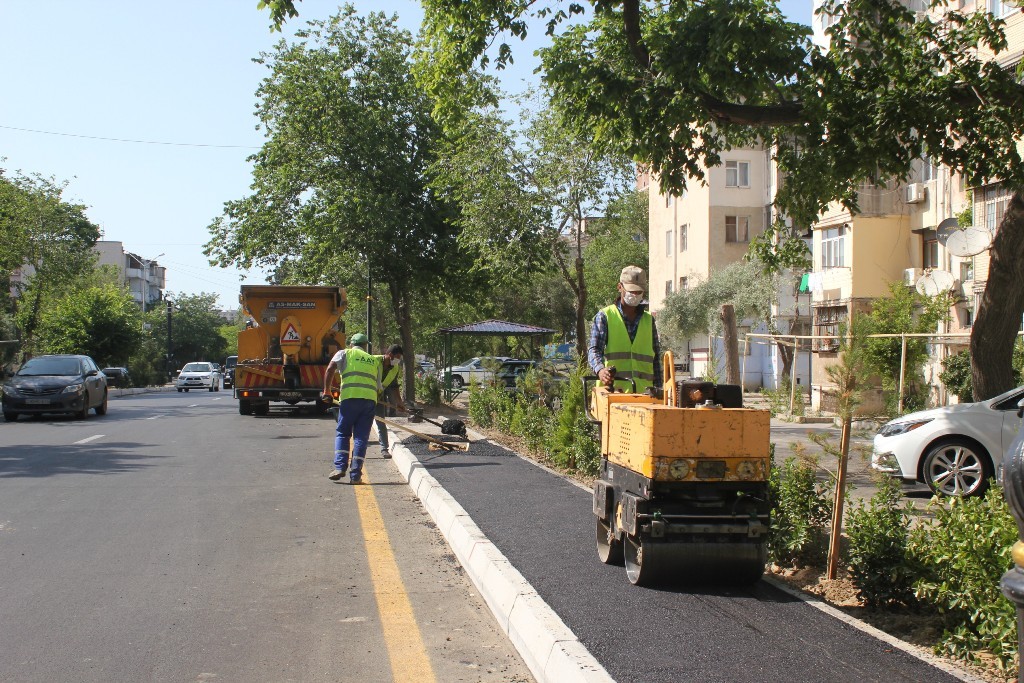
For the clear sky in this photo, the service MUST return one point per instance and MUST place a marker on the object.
(154, 72)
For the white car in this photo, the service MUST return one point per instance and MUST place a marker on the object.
(199, 376)
(473, 370)
(955, 450)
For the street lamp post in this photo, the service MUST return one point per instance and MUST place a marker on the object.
(170, 369)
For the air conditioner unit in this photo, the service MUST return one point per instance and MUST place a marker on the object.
(911, 276)
(916, 193)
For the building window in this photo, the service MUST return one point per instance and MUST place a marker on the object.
(668, 287)
(930, 255)
(683, 229)
(996, 199)
(682, 284)
(668, 242)
(833, 247)
(668, 200)
(829, 322)
(929, 171)
(999, 8)
(737, 174)
(967, 271)
(737, 229)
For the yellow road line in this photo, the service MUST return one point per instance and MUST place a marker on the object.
(408, 655)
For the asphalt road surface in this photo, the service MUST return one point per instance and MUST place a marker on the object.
(175, 540)
(545, 526)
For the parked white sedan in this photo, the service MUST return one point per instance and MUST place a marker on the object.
(955, 450)
(199, 376)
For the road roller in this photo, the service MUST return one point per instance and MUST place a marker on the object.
(683, 490)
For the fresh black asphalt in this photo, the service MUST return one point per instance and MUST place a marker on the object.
(545, 526)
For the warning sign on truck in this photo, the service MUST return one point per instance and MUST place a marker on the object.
(290, 334)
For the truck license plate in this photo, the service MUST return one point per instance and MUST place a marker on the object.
(290, 394)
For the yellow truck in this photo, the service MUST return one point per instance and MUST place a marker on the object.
(283, 353)
(683, 490)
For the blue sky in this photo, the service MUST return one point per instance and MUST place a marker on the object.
(157, 72)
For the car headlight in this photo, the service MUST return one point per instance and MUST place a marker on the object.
(72, 389)
(897, 428)
(10, 391)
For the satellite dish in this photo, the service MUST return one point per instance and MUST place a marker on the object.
(968, 242)
(935, 282)
(945, 229)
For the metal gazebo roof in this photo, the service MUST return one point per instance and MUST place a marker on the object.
(496, 327)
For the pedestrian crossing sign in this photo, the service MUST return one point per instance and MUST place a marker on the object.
(290, 334)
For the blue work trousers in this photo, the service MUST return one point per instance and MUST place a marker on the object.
(355, 417)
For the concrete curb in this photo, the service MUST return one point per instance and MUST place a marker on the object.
(550, 649)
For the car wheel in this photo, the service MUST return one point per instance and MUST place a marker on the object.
(213, 387)
(10, 416)
(84, 412)
(957, 467)
(180, 390)
(186, 391)
(457, 382)
(101, 409)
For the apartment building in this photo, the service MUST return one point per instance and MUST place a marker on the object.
(901, 235)
(708, 227)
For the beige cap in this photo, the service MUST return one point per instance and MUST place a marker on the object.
(633, 279)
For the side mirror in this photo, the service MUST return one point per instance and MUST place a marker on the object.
(92, 373)
(1020, 408)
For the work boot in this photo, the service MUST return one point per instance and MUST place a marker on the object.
(355, 480)
(336, 475)
(386, 454)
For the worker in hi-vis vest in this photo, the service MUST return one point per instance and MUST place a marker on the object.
(391, 368)
(360, 385)
(624, 337)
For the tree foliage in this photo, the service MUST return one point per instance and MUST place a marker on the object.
(619, 239)
(744, 284)
(100, 320)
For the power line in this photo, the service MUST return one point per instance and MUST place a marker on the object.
(137, 142)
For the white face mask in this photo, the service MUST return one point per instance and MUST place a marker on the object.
(632, 298)
(396, 361)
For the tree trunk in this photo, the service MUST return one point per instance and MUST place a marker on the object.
(582, 333)
(786, 355)
(1002, 305)
(401, 304)
(732, 345)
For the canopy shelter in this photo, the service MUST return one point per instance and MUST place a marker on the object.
(484, 328)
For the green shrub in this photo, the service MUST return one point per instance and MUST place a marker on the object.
(574, 443)
(877, 534)
(531, 421)
(428, 390)
(801, 514)
(964, 551)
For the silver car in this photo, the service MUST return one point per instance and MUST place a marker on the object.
(199, 375)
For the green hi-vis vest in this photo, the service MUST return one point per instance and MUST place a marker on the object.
(630, 359)
(392, 373)
(359, 380)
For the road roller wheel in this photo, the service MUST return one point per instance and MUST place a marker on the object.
(609, 548)
(645, 561)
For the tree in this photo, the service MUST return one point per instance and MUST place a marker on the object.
(101, 320)
(195, 330)
(617, 240)
(525, 197)
(49, 239)
(675, 84)
(340, 188)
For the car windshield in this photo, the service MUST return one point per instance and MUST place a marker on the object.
(50, 366)
(196, 367)
(231, 362)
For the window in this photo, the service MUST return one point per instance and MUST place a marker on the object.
(668, 242)
(683, 229)
(967, 271)
(737, 229)
(682, 284)
(668, 200)
(995, 199)
(999, 8)
(829, 322)
(737, 174)
(668, 287)
(833, 247)
(929, 171)
(930, 255)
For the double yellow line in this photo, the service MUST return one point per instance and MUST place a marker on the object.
(408, 655)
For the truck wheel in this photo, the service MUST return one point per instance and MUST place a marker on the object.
(644, 560)
(609, 548)
(245, 407)
(261, 408)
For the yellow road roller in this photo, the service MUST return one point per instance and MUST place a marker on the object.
(683, 489)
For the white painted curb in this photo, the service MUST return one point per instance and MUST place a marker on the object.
(550, 649)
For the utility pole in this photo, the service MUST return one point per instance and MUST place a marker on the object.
(170, 370)
(369, 307)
